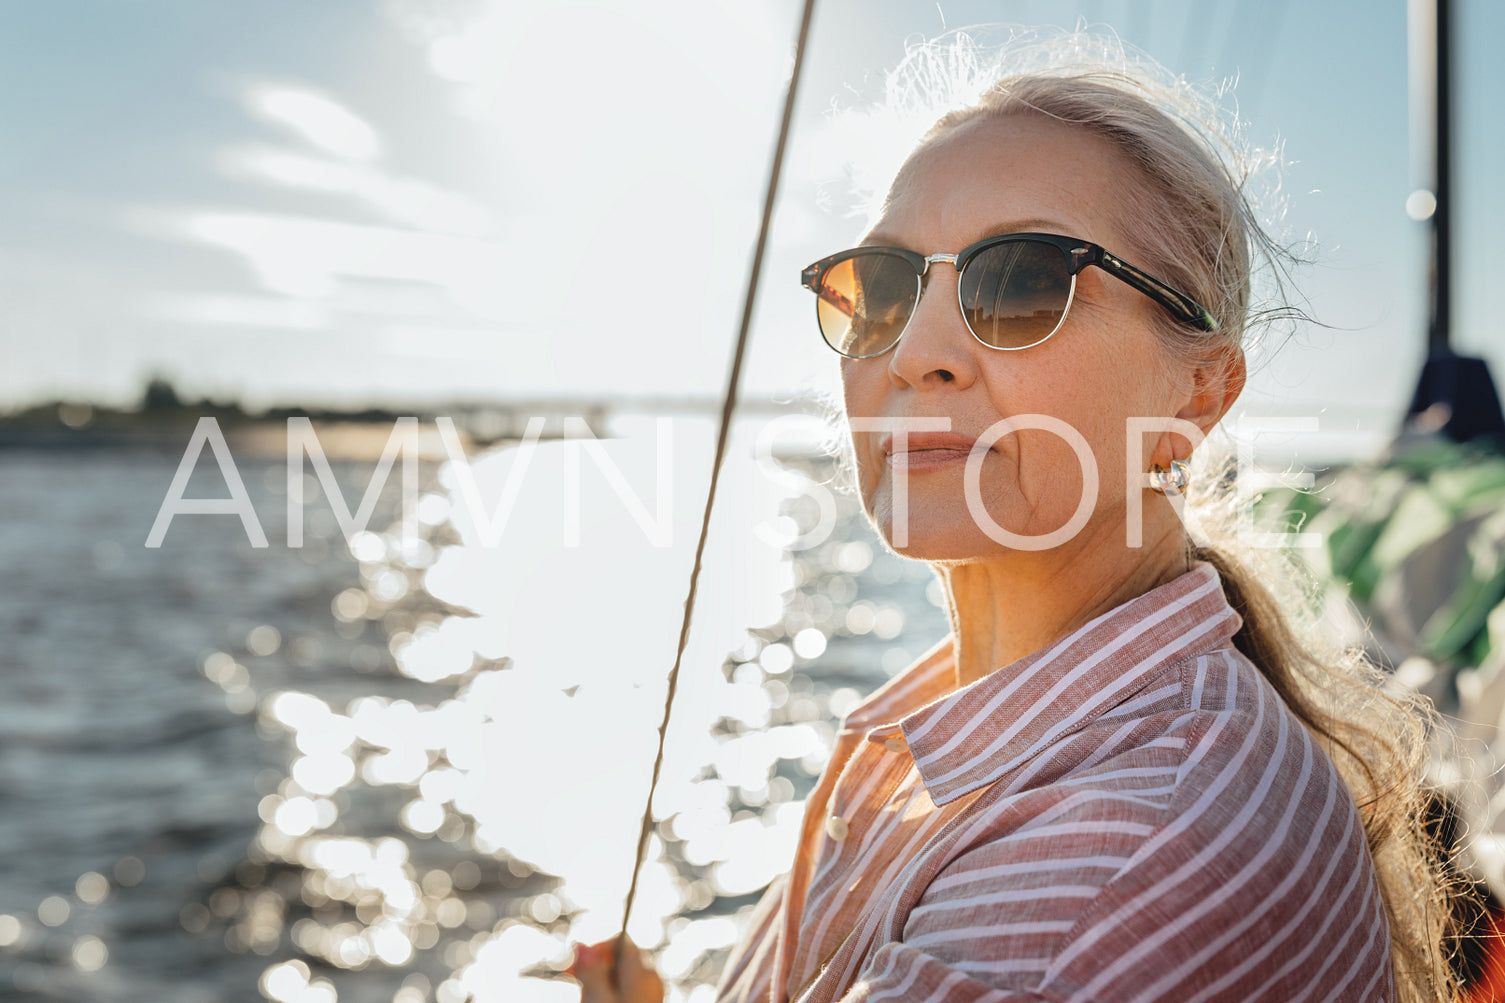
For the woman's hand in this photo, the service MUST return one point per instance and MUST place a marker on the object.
(637, 981)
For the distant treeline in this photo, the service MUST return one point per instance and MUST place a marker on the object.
(162, 407)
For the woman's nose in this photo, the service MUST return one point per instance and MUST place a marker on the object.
(936, 348)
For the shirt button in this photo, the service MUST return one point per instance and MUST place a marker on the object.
(836, 828)
(896, 744)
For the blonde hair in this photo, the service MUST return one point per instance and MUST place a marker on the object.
(1193, 166)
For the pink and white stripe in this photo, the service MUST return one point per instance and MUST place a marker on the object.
(1129, 814)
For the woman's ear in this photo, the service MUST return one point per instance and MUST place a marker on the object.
(1210, 390)
(1215, 385)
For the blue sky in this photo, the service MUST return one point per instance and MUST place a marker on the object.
(415, 200)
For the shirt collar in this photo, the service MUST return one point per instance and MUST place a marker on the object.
(966, 738)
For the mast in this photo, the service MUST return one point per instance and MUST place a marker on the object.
(1439, 334)
(1455, 395)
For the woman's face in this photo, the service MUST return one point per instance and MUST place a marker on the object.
(1104, 365)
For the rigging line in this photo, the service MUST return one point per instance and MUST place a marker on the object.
(729, 403)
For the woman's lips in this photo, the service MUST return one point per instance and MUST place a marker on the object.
(927, 451)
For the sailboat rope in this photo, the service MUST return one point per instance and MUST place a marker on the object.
(728, 404)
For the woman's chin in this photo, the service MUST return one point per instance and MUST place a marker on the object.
(941, 544)
(957, 540)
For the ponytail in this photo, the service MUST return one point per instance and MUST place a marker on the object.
(1378, 737)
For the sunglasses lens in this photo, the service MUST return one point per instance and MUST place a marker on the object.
(864, 302)
(1014, 294)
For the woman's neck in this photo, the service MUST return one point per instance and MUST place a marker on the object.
(1006, 607)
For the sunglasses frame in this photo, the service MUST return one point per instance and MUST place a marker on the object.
(1078, 253)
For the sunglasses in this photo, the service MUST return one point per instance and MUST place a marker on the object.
(1014, 291)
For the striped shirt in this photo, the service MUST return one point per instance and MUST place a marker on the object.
(1131, 813)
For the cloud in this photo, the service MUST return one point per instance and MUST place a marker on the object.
(317, 118)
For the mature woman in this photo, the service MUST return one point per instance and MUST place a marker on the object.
(1120, 777)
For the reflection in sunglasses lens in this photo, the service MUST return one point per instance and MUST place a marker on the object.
(865, 301)
(1013, 295)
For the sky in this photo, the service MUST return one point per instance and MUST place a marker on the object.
(326, 203)
(410, 202)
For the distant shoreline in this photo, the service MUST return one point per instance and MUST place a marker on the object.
(340, 440)
(164, 423)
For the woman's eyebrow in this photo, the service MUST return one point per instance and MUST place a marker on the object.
(879, 240)
(1031, 224)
